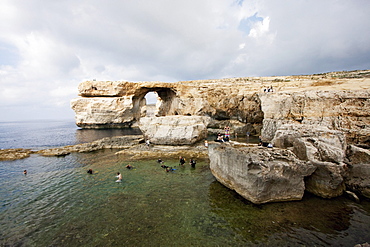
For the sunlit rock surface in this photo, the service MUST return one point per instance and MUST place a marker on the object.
(174, 130)
(259, 174)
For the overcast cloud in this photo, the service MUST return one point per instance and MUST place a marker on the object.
(48, 47)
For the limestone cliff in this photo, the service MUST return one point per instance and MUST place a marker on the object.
(322, 121)
(337, 100)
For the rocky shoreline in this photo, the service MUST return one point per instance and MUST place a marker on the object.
(131, 147)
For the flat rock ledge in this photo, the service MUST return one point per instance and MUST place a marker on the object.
(139, 152)
(118, 142)
(15, 154)
(132, 148)
(259, 174)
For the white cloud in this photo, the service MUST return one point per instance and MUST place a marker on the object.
(48, 47)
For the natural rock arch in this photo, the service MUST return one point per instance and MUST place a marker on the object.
(165, 104)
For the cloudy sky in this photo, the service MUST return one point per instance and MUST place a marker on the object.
(48, 47)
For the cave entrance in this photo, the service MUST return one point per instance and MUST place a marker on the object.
(154, 102)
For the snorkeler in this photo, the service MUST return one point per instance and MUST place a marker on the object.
(90, 171)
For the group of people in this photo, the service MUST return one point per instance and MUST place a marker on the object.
(119, 175)
(182, 162)
(268, 90)
(192, 162)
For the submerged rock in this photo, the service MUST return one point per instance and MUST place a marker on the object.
(259, 174)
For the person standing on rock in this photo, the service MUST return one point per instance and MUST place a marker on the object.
(227, 132)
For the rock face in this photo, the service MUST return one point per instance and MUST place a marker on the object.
(323, 148)
(358, 179)
(260, 174)
(323, 120)
(174, 130)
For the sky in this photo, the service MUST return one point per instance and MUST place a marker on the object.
(48, 47)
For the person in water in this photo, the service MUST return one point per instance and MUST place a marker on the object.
(182, 160)
(25, 172)
(192, 163)
(129, 166)
(90, 171)
(119, 176)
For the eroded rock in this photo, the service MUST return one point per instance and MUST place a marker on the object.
(174, 130)
(259, 174)
(358, 179)
(323, 148)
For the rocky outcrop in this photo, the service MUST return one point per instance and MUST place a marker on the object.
(118, 142)
(174, 130)
(335, 100)
(344, 110)
(313, 118)
(15, 153)
(259, 174)
(358, 179)
(323, 148)
(154, 152)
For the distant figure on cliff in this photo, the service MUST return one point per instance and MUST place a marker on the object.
(219, 138)
(147, 142)
(192, 163)
(206, 143)
(90, 171)
(182, 160)
(227, 131)
(119, 176)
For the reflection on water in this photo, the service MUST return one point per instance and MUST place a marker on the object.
(59, 204)
(312, 221)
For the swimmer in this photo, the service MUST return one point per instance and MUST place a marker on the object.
(129, 167)
(25, 172)
(192, 163)
(160, 161)
(119, 176)
(182, 160)
(169, 169)
(90, 171)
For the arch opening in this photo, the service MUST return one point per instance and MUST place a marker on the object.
(154, 102)
(151, 99)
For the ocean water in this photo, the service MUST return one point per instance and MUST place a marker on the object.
(58, 204)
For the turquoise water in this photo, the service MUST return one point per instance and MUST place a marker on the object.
(58, 204)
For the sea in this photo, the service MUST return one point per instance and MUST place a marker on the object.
(57, 203)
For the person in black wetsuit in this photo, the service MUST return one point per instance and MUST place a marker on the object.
(192, 163)
(182, 160)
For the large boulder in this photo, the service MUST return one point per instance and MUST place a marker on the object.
(103, 112)
(174, 130)
(358, 179)
(323, 148)
(259, 174)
